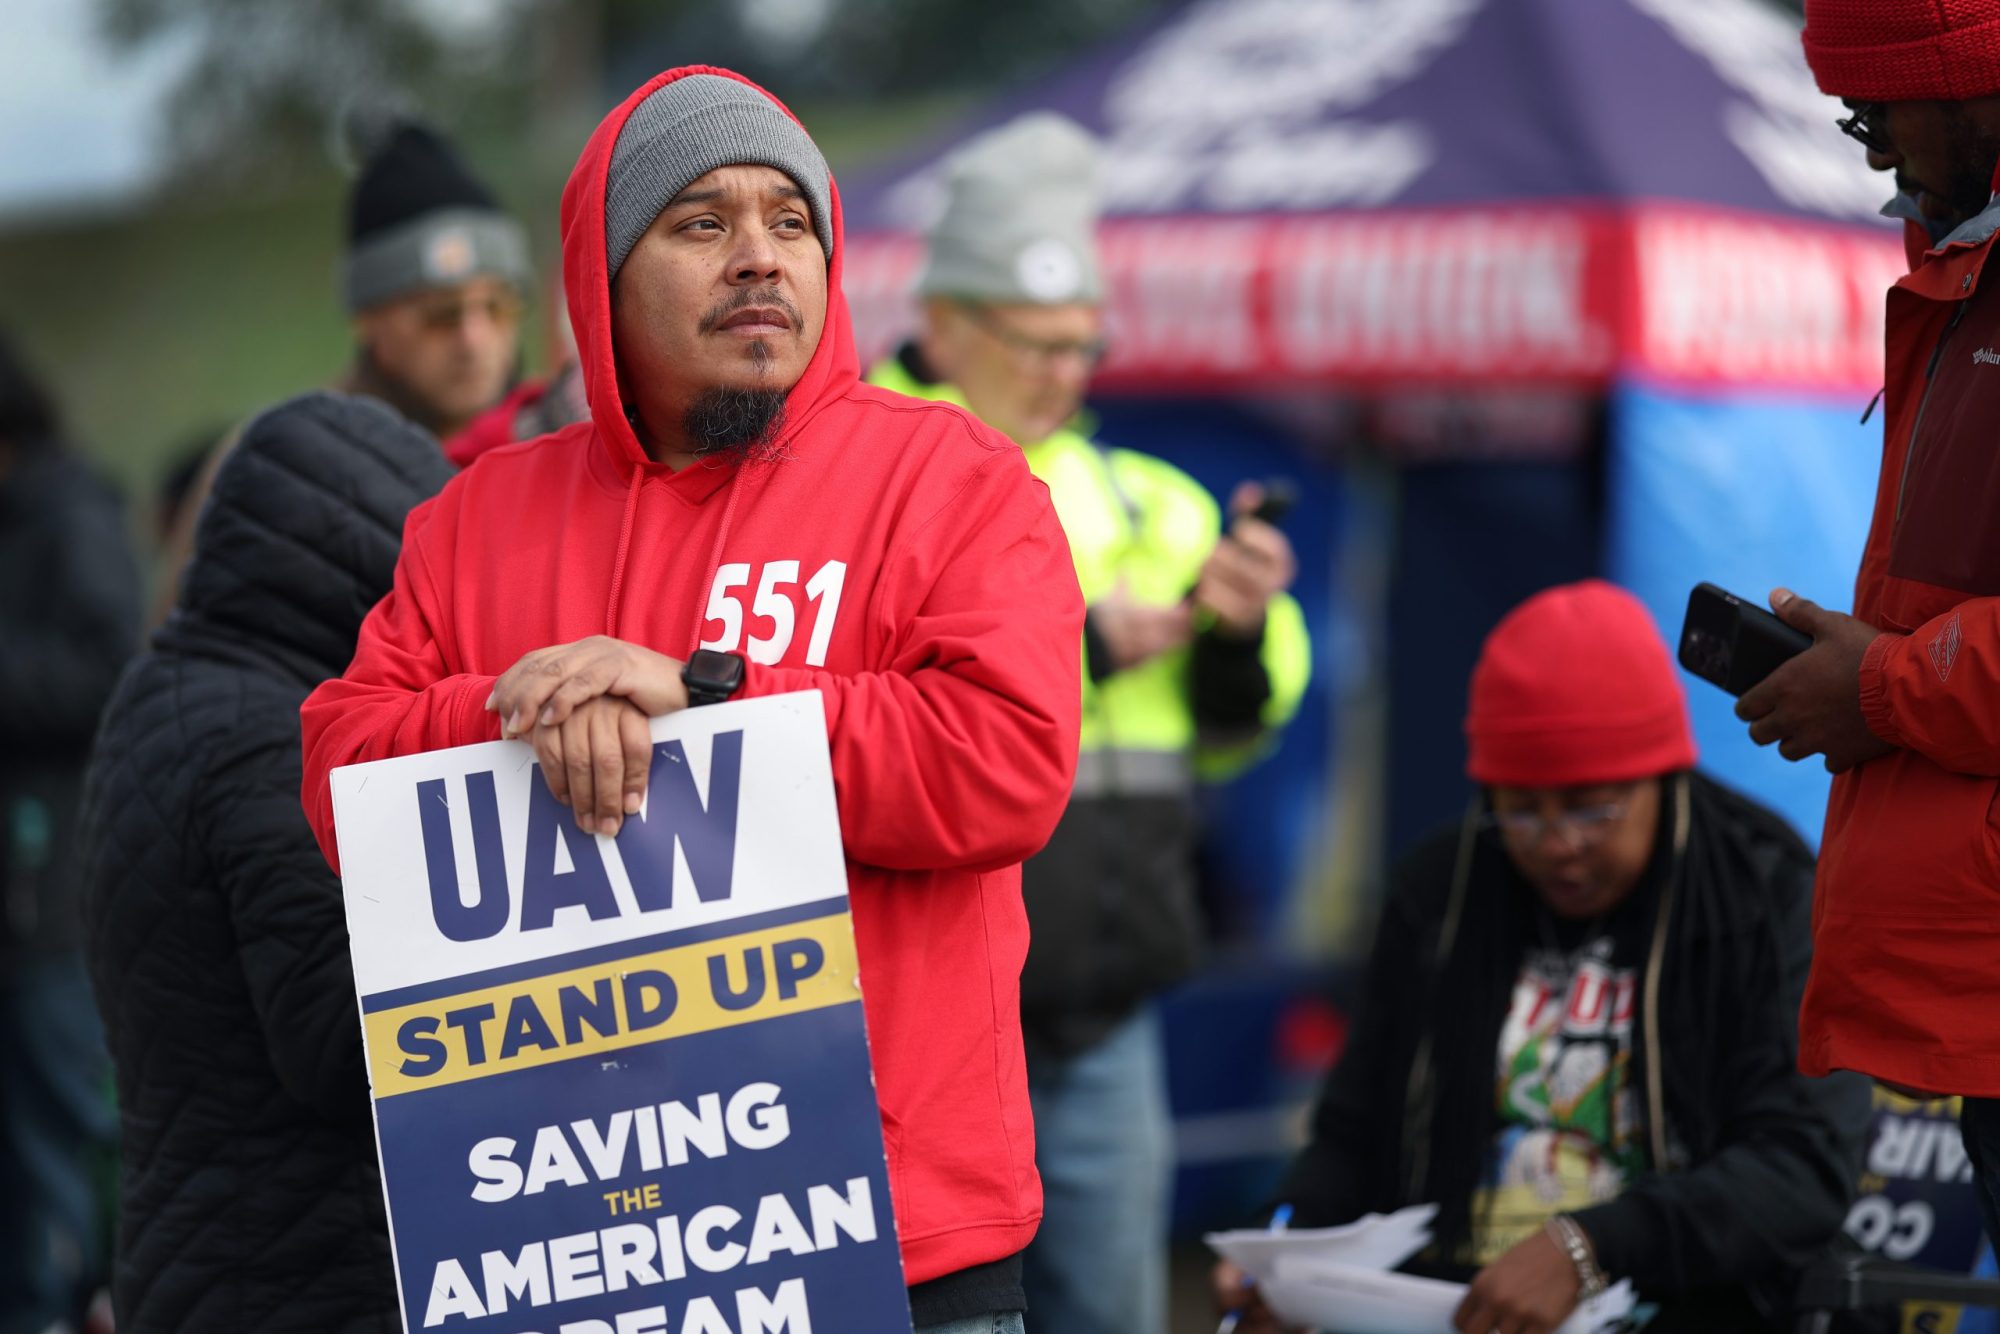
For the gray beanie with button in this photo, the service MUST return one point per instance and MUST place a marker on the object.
(1020, 217)
(687, 129)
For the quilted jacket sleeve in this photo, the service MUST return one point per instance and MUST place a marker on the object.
(291, 927)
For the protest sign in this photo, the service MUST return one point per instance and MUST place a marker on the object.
(621, 1086)
(1917, 1203)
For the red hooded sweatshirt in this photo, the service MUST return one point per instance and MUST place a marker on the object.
(923, 586)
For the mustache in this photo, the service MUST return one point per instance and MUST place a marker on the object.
(744, 299)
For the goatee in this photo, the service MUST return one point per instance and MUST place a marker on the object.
(744, 423)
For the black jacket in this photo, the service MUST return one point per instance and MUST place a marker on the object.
(1762, 1162)
(1111, 897)
(69, 620)
(249, 1192)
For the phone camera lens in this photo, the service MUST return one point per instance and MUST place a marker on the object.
(1707, 654)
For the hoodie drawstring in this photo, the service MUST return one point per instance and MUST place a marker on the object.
(715, 556)
(614, 608)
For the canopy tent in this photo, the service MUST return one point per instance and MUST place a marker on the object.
(1599, 279)
(1502, 226)
(1361, 192)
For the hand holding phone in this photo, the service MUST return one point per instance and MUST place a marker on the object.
(1812, 706)
(1733, 643)
(1251, 564)
(1281, 497)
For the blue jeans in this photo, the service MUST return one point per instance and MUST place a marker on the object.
(1000, 1322)
(1104, 1144)
(55, 1118)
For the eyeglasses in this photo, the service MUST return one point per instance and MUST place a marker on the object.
(1865, 125)
(1579, 828)
(1044, 352)
(447, 314)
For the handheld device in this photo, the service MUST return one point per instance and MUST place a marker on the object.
(1732, 643)
(1281, 497)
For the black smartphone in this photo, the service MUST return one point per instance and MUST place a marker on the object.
(1732, 643)
(1281, 497)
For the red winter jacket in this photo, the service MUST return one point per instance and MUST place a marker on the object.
(1905, 982)
(923, 586)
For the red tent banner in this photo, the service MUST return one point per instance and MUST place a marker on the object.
(1541, 192)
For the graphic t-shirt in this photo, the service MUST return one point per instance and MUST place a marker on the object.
(1571, 1127)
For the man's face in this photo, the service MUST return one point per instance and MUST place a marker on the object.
(1022, 368)
(1942, 153)
(725, 292)
(1582, 848)
(450, 349)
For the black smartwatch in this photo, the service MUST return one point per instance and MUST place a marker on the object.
(712, 677)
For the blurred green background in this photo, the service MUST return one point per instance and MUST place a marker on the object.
(188, 288)
(195, 281)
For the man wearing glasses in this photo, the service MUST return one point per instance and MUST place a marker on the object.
(1940, 181)
(433, 281)
(1195, 655)
(1577, 1029)
(1899, 697)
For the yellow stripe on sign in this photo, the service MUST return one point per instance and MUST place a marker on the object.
(612, 1005)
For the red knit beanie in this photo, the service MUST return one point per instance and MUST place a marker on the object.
(1575, 687)
(1904, 50)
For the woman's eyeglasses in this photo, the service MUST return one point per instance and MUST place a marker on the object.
(1579, 828)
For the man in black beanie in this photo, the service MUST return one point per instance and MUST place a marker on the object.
(433, 281)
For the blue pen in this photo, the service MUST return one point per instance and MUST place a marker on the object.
(1280, 1218)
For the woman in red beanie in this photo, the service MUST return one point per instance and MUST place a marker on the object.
(1577, 1035)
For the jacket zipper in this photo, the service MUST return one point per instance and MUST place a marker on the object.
(1417, 1096)
(1930, 376)
(1655, 1090)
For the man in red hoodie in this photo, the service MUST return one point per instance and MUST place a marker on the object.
(742, 517)
(1903, 698)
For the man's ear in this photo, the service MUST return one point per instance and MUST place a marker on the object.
(618, 362)
(938, 338)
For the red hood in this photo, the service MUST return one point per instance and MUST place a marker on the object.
(833, 369)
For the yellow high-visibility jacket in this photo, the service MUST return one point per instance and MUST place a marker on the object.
(1111, 899)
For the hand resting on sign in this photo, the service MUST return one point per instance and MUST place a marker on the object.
(584, 708)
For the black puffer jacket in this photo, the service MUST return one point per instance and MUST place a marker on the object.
(218, 943)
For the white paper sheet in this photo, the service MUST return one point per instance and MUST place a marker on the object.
(1338, 1299)
(1378, 1241)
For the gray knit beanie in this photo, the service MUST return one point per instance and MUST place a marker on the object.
(1020, 217)
(687, 129)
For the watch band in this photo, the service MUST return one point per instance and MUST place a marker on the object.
(1565, 1232)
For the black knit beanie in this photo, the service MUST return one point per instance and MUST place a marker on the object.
(419, 218)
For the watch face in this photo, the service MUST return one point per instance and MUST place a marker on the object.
(712, 675)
